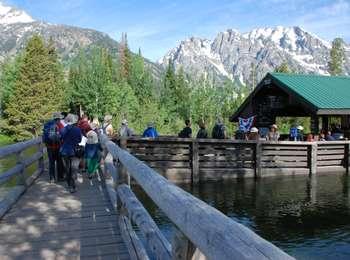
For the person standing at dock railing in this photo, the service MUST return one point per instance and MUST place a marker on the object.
(202, 132)
(273, 134)
(187, 131)
(151, 131)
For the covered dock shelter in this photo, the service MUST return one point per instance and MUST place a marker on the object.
(298, 95)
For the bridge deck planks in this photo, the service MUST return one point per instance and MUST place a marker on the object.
(50, 223)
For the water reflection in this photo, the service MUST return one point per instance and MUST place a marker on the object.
(307, 217)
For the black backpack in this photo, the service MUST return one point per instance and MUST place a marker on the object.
(218, 132)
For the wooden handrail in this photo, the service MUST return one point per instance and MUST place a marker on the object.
(18, 147)
(214, 234)
(19, 170)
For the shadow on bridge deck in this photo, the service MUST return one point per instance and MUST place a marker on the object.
(50, 223)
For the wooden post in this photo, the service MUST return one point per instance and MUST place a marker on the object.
(312, 158)
(325, 123)
(41, 160)
(195, 162)
(258, 153)
(314, 124)
(124, 177)
(22, 178)
(346, 157)
(183, 249)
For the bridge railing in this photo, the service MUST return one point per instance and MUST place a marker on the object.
(15, 180)
(202, 231)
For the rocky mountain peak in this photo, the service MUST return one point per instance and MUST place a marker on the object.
(235, 55)
(11, 15)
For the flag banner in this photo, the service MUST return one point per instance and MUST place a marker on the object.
(246, 123)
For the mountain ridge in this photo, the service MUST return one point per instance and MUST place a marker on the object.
(235, 55)
(68, 40)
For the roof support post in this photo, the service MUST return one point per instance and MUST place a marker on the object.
(315, 129)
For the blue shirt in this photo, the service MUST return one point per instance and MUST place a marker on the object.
(150, 132)
(71, 137)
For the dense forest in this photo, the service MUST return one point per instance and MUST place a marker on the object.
(35, 83)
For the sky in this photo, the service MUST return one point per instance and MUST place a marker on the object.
(156, 26)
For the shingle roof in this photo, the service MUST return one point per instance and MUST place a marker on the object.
(324, 92)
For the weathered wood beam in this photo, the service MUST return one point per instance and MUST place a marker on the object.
(132, 242)
(18, 147)
(138, 214)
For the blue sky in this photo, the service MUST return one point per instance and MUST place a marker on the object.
(158, 25)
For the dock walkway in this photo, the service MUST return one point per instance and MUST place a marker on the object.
(50, 223)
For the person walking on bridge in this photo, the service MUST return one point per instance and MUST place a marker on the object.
(92, 154)
(71, 136)
(52, 140)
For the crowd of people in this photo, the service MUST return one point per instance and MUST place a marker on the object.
(73, 142)
(296, 133)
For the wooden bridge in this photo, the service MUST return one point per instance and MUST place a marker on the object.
(43, 221)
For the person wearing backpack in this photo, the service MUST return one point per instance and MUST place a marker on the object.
(219, 130)
(71, 137)
(52, 140)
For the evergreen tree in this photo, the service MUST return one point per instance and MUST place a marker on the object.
(8, 77)
(90, 83)
(124, 59)
(169, 87)
(252, 76)
(284, 68)
(337, 57)
(182, 95)
(38, 91)
(141, 79)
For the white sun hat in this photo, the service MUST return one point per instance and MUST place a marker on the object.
(71, 119)
(92, 137)
(254, 130)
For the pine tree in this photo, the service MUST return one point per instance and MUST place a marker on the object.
(8, 77)
(38, 91)
(124, 59)
(141, 79)
(182, 95)
(337, 57)
(283, 68)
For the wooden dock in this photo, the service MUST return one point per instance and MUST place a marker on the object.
(194, 160)
(50, 223)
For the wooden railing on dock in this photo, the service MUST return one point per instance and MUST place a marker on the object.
(15, 181)
(193, 160)
(202, 231)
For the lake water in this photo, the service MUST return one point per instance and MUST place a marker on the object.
(309, 219)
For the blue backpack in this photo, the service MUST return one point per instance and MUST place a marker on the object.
(51, 133)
